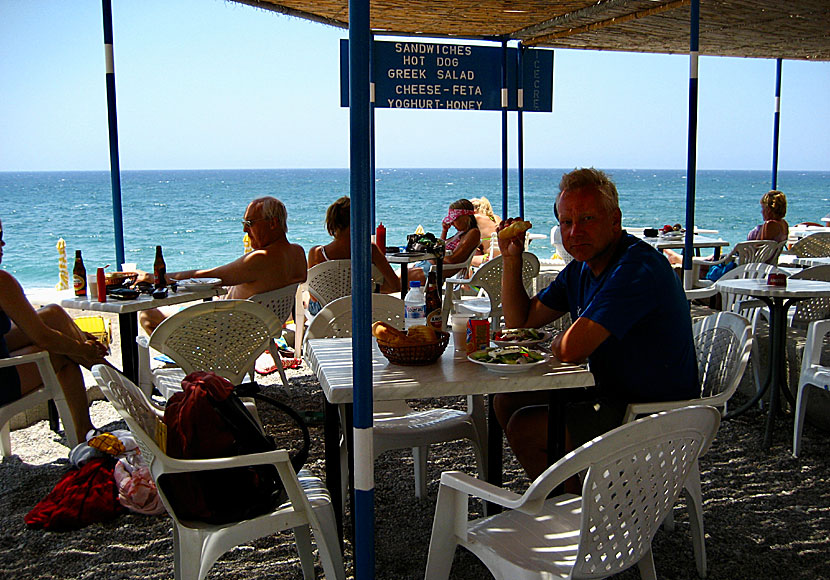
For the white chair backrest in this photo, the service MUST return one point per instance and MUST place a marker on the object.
(752, 270)
(723, 342)
(143, 417)
(813, 347)
(459, 269)
(488, 276)
(335, 320)
(816, 245)
(757, 251)
(332, 279)
(811, 309)
(223, 336)
(279, 301)
(634, 475)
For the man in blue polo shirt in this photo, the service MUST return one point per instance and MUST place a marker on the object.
(631, 320)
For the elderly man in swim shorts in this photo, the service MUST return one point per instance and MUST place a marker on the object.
(273, 263)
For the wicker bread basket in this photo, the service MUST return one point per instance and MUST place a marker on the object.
(422, 354)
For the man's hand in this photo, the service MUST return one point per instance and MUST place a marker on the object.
(513, 246)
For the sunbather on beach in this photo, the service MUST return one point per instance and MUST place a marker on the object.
(24, 330)
(338, 225)
(274, 262)
(631, 321)
(461, 216)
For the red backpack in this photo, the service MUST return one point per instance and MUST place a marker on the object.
(206, 420)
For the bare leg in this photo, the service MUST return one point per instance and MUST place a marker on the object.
(150, 319)
(505, 404)
(72, 384)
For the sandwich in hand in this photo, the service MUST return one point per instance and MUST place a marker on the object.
(517, 228)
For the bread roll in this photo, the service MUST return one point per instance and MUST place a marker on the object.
(422, 335)
(387, 333)
(515, 229)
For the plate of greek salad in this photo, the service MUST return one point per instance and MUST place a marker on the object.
(509, 359)
(520, 336)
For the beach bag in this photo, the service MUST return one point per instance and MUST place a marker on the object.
(206, 420)
(715, 272)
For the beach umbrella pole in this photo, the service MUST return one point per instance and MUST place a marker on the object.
(520, 128)
(360, 189)
(504, 208)
(691, 160)
(112, 118)
(776, 124)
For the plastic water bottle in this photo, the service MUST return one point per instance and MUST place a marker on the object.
(415, 306)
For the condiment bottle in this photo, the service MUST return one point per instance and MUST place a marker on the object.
(102, 285)
(380, 237)
(79, 275)
(160, 269)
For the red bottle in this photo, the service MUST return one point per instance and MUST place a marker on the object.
(102, 285)
(380, 237)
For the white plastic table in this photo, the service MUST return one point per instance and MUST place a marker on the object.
(779, 299)
(405, 258)
(679, 242)
(331, 360)
(127, 311)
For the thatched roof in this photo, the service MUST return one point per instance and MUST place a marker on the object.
(797, 29)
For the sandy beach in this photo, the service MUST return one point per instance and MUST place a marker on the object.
(765, 512)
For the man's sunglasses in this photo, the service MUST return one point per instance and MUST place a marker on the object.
(249, 223)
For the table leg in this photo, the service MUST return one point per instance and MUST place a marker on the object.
(494, 454)
(778, 339)
(440, 263)
(128, 327)
(331, 443)
(556, 431)
(404, 279)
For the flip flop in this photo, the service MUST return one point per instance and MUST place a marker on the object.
(265, 364)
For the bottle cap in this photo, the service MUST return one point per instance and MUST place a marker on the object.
(415, 284)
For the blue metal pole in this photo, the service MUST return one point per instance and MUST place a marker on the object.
(115, 166)
(360, 39)
(374, 219)
(776, 124)
(691, 160)
(521, 127)
(504, 208)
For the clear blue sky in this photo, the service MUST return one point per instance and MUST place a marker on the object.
(210, 84)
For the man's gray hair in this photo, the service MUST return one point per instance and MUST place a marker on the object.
(590, 177)
(272, 208)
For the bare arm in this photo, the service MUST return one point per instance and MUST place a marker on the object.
(770, 230)
(582, 338)
(468, 244)
(520, 311)
(14, 303)
(391, 282)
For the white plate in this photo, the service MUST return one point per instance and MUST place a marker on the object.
(531, 342)
(198, 283)
(510, 369)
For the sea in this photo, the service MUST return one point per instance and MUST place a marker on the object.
(195, 214)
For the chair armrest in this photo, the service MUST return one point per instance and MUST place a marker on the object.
(172, 465)
(24, 359)
(478, 488)
(457, 280)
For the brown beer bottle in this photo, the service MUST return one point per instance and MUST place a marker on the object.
(79, 275)
(160, 270)
(433, 301)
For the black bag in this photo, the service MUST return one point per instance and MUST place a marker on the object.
(208, 419)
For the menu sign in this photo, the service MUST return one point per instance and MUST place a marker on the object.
(421, 75)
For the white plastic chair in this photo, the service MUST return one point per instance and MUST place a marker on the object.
(51, 390)
(197, 545)
(813, 374)
(223, 336)
(332, 279)
(634, 475)
(816, 245)
(281, 302)
(488, 279)
(806, 311)
(396, 424)
(723, 342)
